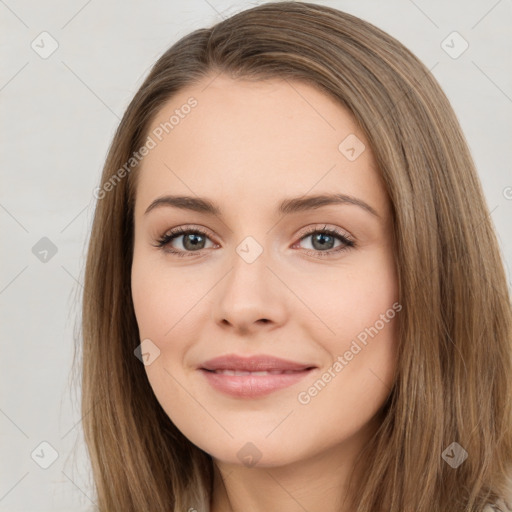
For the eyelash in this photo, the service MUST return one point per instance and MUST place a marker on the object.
(167, 238)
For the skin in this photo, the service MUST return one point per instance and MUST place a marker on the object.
(246, 146)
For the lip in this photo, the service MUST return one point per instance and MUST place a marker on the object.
(256, 363)
(251, 385)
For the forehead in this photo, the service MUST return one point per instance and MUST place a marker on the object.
(256, 140)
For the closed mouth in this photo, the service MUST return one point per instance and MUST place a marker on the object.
(266, 372)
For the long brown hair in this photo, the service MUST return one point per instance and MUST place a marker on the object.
(454, 378)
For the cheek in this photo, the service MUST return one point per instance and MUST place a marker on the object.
(350, 299)
(160, 298)
(161, 302)
(362, 358)
(359, 309)
(147, 299)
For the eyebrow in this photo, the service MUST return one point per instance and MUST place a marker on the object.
(291, 205)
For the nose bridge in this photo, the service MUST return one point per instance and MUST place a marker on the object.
(250, 292)
(249, 277)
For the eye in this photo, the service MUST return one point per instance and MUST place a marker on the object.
(323, 241)
(193, 241)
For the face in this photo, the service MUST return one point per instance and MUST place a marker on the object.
(270, 272)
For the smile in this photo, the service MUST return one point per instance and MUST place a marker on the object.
(245, 384)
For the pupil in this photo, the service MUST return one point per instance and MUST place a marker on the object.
(317, 239)
(192, 239)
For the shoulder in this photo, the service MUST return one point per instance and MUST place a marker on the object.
(499, 506)
(505, 503)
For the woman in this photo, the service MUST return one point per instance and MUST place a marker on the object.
(342, 338)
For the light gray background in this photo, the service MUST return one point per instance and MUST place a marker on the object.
(58, 117)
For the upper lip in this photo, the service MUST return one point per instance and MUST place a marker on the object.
(254, 363)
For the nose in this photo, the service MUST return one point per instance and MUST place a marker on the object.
(251, 297)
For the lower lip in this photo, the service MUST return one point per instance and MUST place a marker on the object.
(252, 386)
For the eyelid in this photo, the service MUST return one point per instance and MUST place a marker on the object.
(189, 227)
(304, 232)
(326, 227)
(347, 240)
